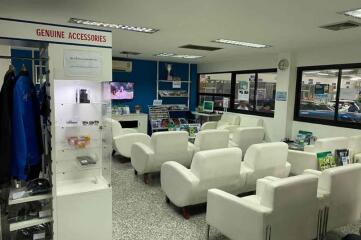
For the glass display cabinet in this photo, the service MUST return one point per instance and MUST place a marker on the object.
(82, 136)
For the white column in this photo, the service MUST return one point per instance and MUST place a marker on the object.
(286, 82)
(4, 63)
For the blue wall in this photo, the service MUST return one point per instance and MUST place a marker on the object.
(144, 76)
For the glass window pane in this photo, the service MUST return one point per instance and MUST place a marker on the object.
(266, 92)
(244, 91)
(318, 94)
(350, 97)
(219, 101)
(215, 83)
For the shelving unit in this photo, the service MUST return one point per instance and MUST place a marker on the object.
(183, 82)
(29, 198)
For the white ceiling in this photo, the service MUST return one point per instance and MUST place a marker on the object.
(287, 25)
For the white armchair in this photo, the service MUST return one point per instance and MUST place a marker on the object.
(227, 121)
(282, 209)
(339, 192)
(218, 168)
(124, 138)
(211, 139)
(355, 148)
(264, 159)
(307, 159)
(247, 136)
(251, 122)
(163, 147)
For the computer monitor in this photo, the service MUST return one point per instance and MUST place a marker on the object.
(208, 106)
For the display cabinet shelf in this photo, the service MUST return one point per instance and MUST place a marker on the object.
(29, 223)
(28, 198)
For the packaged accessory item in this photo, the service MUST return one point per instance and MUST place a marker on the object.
(326, 160)
(342, 157)
(86, 160)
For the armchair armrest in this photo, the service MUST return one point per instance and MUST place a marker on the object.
(209, 125)
(301, 161)
(230, 128)
(322, 194)
(313, 172)
(141, 156)
(177, 182)
(237, 218)
(123, 143)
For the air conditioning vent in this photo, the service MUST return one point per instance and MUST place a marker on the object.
(198, 47)
(129, 53)
(341, 26)
(122, 66)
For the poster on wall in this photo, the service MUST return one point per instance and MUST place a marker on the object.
(82, 63)
(281, 96)
(243, 91)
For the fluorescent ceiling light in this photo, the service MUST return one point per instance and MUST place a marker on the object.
(238, 43)
(355, 78)
(354, 13)
(177, 55)
(113, 26)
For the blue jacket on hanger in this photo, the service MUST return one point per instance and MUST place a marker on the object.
(26, 130)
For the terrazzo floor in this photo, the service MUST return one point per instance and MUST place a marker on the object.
(141, 213)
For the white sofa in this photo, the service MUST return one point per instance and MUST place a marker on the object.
(307, 159)
(218, 168)
(265, 159)
(227, 121)
(211, 139)
(163, 147)
(124, 138)
(282, 209)
(339, 193)
(244, 137)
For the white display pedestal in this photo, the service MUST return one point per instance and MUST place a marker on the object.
(86, 215)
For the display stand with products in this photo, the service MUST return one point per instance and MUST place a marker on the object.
(75, 175)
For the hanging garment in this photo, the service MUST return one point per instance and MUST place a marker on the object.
(6, 100)
(27, 144)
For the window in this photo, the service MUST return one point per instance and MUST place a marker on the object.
(249, 92)
(266, 92)
(244, 92)
(214, 87)
(329, 95)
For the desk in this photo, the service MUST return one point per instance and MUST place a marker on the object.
(133, 120)
(208, 116)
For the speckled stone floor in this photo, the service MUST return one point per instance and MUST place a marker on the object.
(141, 213)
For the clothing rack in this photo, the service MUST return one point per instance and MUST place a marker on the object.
(24, 58)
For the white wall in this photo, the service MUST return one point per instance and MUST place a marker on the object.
(4, 63)
(308, 57)
(244, 63)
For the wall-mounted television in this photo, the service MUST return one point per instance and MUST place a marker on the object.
(122, 90)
